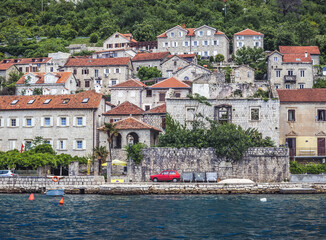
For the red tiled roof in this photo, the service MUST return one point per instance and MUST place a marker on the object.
(111, 50)
(132, 123)
(150, 56)
(20, 61)
(184, 55)
(296, 58)
(56, 102)
(62, 77)
(299, 49)
(302, 95)
(5, 66)
(170, 83)
(129, 84)
(248, 32)
(97, 62)
(128, 35)
(158, 109)
(125, 108)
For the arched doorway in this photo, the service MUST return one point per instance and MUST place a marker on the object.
(132, 138)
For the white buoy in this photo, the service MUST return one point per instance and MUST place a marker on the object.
(263, 199)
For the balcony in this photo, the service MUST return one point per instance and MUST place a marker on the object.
(290, 78)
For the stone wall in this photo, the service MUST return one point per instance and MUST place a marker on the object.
(258, 164)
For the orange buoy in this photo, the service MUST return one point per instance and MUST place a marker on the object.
(31, 197)
(61, 201)
(55, 179)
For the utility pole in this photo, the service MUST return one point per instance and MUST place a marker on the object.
(224, 7)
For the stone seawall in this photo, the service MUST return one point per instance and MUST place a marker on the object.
(257, 164)
(71, 184)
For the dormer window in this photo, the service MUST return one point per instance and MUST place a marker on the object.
(47, 101)
(85, 100)
(65, 101)
(14, 102)
(31, 101)
(172, 34)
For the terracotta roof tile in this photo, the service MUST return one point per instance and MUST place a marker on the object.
(170, 83)
(150, 56)
(296, 58)
(5, 66)
(158, 109)
(126, 108)
(248, 32)
(56, 102)
(62, 77)
(300, 49)
(302, 95)
(132, 123)
(131, 83)
(20, 61)
(72, 62)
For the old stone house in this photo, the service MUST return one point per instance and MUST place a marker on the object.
(204, 41)
(110, 53)
(49, 83)
(191, 72)
(6, 69)
(99, 74)
(59, 59)
(172, 64)
(118, 40)
(243, 74)
(26, 65)
(147, 97)
(152, 59)
(247, 38)
(67, 122)
(290, 71)
(303, 122)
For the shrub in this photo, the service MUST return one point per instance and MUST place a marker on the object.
(134, 152)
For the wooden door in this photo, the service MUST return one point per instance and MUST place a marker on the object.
(321, 147)
(291, 142)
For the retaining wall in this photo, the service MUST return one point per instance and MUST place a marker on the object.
(308, 178)
(257, 164)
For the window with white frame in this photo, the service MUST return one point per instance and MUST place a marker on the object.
(12, 144)
(290, 72)
(248, 74)
(1, 122)
(277, 86)
(117, 70)
(254, 114)
(240, 44)
(215, 42)
(79, 144)
(79, 121)
(278, 73)
(205, 43)
(13, 122)
(190, 113)
(201, 33)
(62, 144)
(206, 54)
(28, 144)
(195, 43)
(63, 121)
(301, 86)
(257, 44)
(47, 121)
(96, 72)
(186, 44)
(180, 34)
(240, 37)
(28, 122)
(237, 74)
(208, 32)
(287, 86)
(172, 34)
(275, 59)
(113, 82)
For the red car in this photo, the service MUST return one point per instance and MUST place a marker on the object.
(166, 175)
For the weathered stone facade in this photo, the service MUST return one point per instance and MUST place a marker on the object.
(205, 41)
(243, 74)
(247, 113)
(171, 65)
(258, 164)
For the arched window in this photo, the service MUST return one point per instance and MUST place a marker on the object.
(132, 138)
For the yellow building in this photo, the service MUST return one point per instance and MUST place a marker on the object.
(303, 121)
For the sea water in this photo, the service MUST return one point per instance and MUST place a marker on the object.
(163, 217)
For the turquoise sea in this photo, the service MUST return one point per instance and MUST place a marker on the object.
(163, 217)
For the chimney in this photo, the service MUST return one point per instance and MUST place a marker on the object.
(183, 25)
(305, 54)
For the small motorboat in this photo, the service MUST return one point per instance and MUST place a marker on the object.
(55, 192)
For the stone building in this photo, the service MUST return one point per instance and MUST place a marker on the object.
(191, 72)
(303, 122)
(156, 117)
(247, 38)
(172, 64)
(59, 59)
(147, 97)
(204, 41)
(26, 65)
(313, 51)
(49, 83)
(67, 122)
(118, 40)
(247, 113)
(290, 71)
(243, 74)
(99, 74)
(149, 60)
(6, 69)
(110, 53)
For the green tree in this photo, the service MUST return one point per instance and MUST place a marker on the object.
(144, 32)
(145, 73)
(93, 38)
(100, 153)
(219, 58)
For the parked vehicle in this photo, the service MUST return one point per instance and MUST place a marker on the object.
(7, 173)
(166, 175)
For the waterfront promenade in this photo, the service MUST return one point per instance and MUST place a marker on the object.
(97, 185)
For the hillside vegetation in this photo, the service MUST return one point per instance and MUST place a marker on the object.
(284, 22)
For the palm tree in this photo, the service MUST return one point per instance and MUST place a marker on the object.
(111, 132)
(101, 154)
